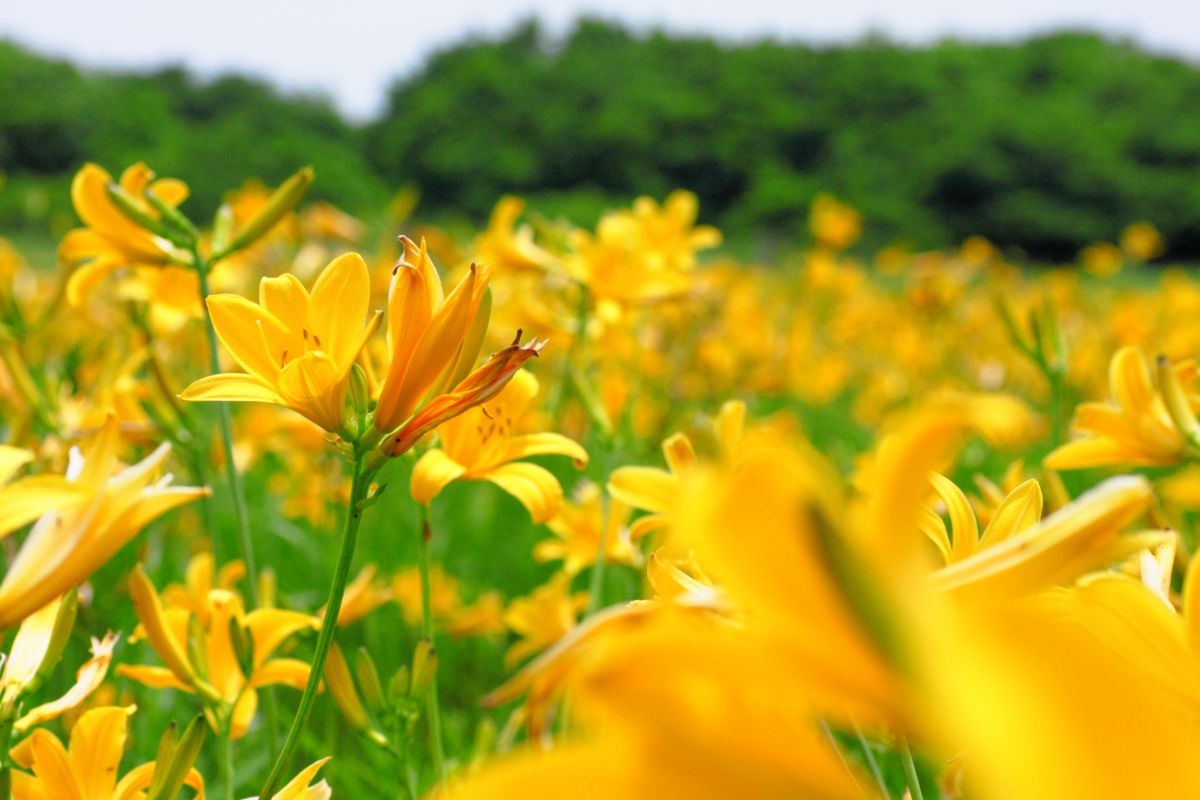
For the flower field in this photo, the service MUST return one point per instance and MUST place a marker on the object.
(296, 506)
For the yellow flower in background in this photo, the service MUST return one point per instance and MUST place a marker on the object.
(34, 654)
(485, 443)
(543, 617)
(297, 347)
(65, 546)
(1141, 241)
(433, 343)
(578, 526)
(834, 224)
(219, 676)
(507, 246)
(1019, 510)
(1102, 259)
(110, 240)
(643, 255)
(88, 770)
(1135, 427)
(653, 489)
(1080, 537)
(363, 595)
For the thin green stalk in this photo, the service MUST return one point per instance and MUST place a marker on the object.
(333, 606)
(433, 709)
(225, 760)
(226, 426)
(872, 764)
(596, 588)
(558, 407)
(910, 770)
(6, 730)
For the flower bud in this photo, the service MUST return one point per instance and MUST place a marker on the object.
(281, 201)
(1176, 401)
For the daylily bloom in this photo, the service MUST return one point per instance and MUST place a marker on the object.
(1019, 510)
(89, 769)
(543, 617)
(433, 341)
(297, 348)
(510, 247)
(577, 528)
(26, 499)
(110, 239)
(654, 489)
(1134, 428)
(219, 677)
(363, 595)
(1076, 539)
(483, 444)
(35, 652)
(65, 546)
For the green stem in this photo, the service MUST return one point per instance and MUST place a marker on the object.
(577, 343)
(433, 709)
(333, 606)
(872, 764)
(596, 589)
(910, 771)
(226, 427)
(226, 762)
(6, 730)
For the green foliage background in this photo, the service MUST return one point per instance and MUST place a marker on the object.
(1046, 144)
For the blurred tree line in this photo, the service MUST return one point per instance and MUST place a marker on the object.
(1046, 144)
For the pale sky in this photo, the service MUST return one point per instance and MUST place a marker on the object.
(351, 49)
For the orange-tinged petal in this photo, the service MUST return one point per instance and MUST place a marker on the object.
(433, 472)
(542, 444)
(49, 761)
(150, 612)
(535, 487)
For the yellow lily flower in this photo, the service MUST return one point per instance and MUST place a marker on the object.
(36, 650)
(297, 348)
(1134, 428)
(26, 499)
(298, 788)
(200, 578)
(1076, 539)
(433, 341)
(482, 444)
(65, 546)
(1019, 510)
(653, 489)
(577, 528)
(111, 240)
(444, 594)
(218, 677)
(543, 617)
(363, 595)
(89, 769)
(511, 248)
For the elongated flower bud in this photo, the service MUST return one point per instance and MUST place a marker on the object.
(281, 201)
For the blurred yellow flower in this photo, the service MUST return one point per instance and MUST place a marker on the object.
(66, 545)
(110, 239)
(89, 769)
(484, 443)
(834, 225)
(1135, 427)
(543, 617)
(578, 526)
